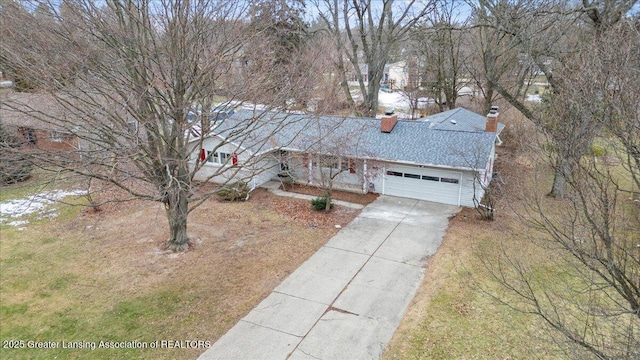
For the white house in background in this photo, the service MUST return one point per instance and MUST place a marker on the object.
(446, 158)
(396, 75)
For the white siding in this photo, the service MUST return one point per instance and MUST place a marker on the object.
(298, 170)
(343, 181)
(255, 171)
(466, 190)
(375, 173)
(258, 171)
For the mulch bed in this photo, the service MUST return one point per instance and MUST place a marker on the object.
(362, 199)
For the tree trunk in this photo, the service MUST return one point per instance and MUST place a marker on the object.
(371, 99)
(488, 96)
(451, 97)
(344, 83)
(327, 207)
(559, 188)
(177, 211)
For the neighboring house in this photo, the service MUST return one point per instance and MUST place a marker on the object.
(29, 118)
(396, 76)
(446, 158)
(352, 78)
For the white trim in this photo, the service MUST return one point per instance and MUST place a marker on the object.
(442, 191)
(460, 189)
(384, 176)
(365, 185)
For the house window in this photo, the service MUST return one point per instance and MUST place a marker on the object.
(333, 163)
(328, 162)
(224, 157)
(344, 165)
(132, 127)
(56, 136)
(218, 157)
(449, 180)
(430, 178)
(29, 134)
(394, 173)
(411, 176)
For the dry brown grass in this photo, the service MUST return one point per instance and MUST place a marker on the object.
(123, 286)
(451, 316)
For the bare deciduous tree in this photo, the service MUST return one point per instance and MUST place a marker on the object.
(141, 100)
(440, 47)
(590, 295)
(366, 33)
(543, 37)
(331, 150)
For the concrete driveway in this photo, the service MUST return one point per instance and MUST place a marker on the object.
(347, 300)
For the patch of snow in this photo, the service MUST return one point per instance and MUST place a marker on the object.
(399, 101)
(34, 204)
(534, 98)
(465, 90)
(356, 95)
(424, 101)
(394, 100)
(49, 215)
(18, 223)
(256, 107)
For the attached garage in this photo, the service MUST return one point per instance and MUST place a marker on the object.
(423, 183)
(445, 158)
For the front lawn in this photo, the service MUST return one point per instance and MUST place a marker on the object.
(456, 313)
(85, 277)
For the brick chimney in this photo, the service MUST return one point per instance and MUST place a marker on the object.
(388, 122)
(492, 120)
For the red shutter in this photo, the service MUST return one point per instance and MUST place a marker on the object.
(234, 159)
(203, 155)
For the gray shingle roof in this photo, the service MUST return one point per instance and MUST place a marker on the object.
(459, 119)
(37, 111)
(417, 142)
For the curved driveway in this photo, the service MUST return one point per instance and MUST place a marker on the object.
(347, 300)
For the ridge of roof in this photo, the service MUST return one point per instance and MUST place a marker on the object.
(410, 141)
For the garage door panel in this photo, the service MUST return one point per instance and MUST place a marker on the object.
(423, 184)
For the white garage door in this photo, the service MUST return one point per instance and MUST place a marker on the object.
(422, 183)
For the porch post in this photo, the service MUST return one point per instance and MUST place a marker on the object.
(310, 166)
(365, 187)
